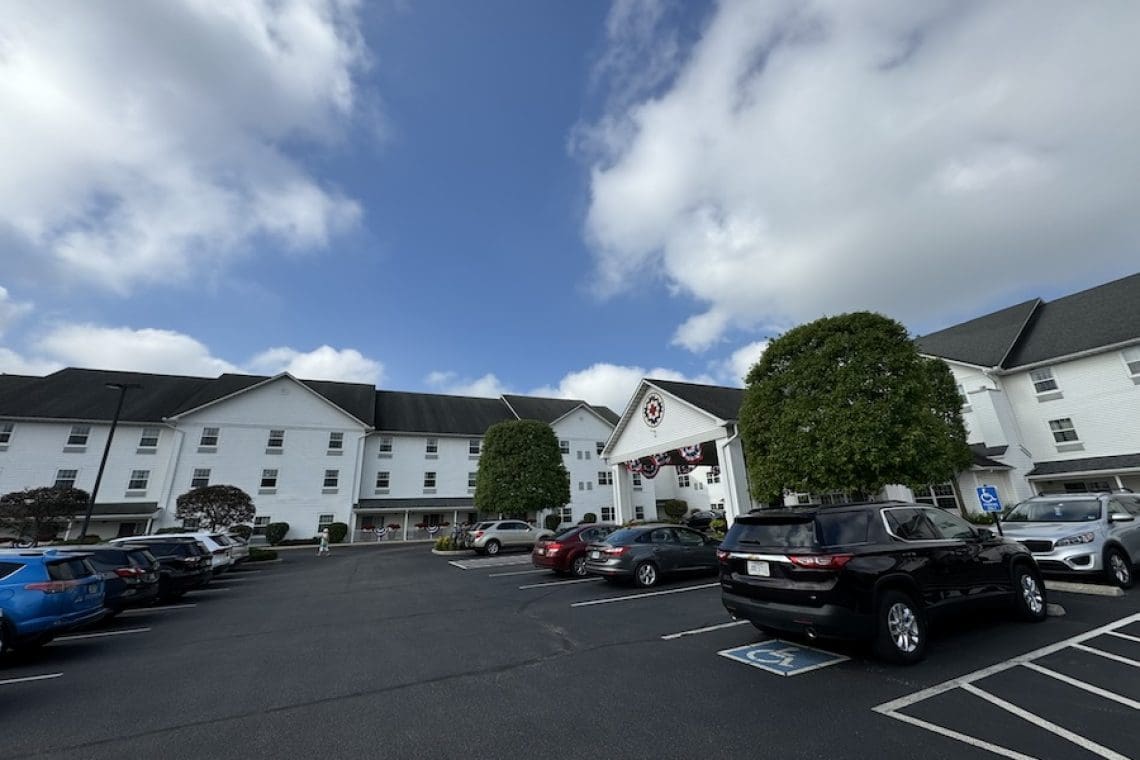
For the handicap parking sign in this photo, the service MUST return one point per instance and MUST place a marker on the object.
(988, 498)
(782, 658)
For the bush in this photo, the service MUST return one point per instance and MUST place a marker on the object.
(589, 517)
(552, 521)
(718, 528)
(275, 532)
(980, 518)
(337, 532)
(445, 544)
(674, 509)
(245, 531)
(261, 555)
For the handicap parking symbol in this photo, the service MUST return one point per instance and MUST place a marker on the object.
(782, 658)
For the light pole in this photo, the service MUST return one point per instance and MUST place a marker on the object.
(122, 388)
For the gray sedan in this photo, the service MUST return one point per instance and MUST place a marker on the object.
(646, 553)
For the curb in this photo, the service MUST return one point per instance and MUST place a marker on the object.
(1084, 588)
(453, 553)
(358, 544)
(260, 562)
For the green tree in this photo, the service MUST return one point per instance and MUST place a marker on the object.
(40, 512)
(215, 506)
(846, 403)
(520, 470)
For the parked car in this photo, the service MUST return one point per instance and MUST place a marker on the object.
(43, 593)
(646, 553)
(701, 519)
(1090, 533)
(493, 536)
(566, 552)
(877, 571)
(239, 547)
(221, 554)
(183, 563)
(130, 573)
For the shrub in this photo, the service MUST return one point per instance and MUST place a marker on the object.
(257, 554)
(589, 517)
(980, 518)
(245, 531)
(337, 532)
(674, 509)
(718, 527)
(552, 521)
(445, 544)
(275, 532)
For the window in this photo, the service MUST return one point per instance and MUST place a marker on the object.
(605, 478)
(910, 524)
(471, 478)
(138, 480)
(828, 499)
(149, 438)
(276, 439)
(564, 447)
(803, 498)
(585, 454)
(713, 475)
(600, 446)
(965, 399)
(579, 452)
(429, 480)
(385, 445)
(636, 480)
(1131, 358)
(589, 485)
(566, 514)
(201, 479)
(79, 434)
(260, 522)
(949, 525)
(332, 478)
(638, 512)
(437, 519)
(191, 523)
(209, 437)
(336, 441)
(65, 479)
(937, 495)
(6, 429)
(682, 481)
(432, 446)
(1063, 430)
(689, 537)
(1043, 380)
(383, 479)
(608, 514)
(474, 446)
(324, 521)
(581, 485)
(268, 480)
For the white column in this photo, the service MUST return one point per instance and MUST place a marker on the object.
(734, 476)
(406, 514)
(623, 493)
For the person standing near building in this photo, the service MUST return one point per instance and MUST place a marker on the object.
(323, 547)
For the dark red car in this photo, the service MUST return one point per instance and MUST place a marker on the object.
(566, 552)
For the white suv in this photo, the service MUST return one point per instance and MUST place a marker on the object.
(495, 535)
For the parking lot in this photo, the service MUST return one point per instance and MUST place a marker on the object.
(391, 651)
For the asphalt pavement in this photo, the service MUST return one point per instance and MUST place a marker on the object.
(395, 652)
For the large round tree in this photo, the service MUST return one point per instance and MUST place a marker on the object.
(846, 403)
(39, 512)
(520, 470)
(216, 506)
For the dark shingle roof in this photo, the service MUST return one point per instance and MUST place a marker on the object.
(717, 400)
(400, 412)
(542, 409)
(1088, 464)
(81, 394)
(982, 456)
(984, 341)
(1036, 331)
(611, 416)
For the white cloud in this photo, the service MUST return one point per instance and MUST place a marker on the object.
(737, 366)
(10, 310)
(487, 386)
(923, 159)
(12, 363)
(324, 363)
(141, 143)
(610, 384)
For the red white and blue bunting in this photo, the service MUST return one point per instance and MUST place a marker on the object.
(684, 459)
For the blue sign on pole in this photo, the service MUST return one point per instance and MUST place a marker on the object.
(782, 658)
(988, 497)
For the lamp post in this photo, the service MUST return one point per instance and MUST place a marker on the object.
(122, 388)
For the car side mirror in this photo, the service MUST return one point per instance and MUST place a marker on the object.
(1118, 517)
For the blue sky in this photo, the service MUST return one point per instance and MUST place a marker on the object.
(543, 197)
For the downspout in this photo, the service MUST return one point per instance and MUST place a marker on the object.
(357, 477)
(171, 469)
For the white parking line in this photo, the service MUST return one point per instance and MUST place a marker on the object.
(25, 679)
(1107, 655)
(517, 572)
(642, 596)
(227, 578)
(1120, 635)
(1037, 720)
(162, 608)
(706, 629)
(1082, 685)
(210, 588)
(964, 738)
(101, 634)
(475, 564)
(560, 583)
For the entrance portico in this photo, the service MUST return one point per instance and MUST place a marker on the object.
(671, 424)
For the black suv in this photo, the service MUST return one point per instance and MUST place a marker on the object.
(130, 574)
(184, 564)
(874, 571)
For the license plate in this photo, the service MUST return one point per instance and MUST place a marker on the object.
(595, 555)
(758, 567)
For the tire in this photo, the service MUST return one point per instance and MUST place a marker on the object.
(578, 566)
(1029, 600)
(1118, 568)
(900, 635)
(5, 636)
(493, 547)
(646, 575)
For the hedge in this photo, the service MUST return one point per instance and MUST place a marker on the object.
(275, 532)
(337, 532)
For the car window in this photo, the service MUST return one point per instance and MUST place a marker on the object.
(662, 536)
(1132, 505)
(1055, 510)
(141, 558)
(590, 534)
(910, 524)
(69, 569)
(106, 559)
(839, 528)
(948, 525)
(1116, 508)
(689, 537)
(7, 568)
(221, 540)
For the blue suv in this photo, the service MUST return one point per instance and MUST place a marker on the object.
(44, 592)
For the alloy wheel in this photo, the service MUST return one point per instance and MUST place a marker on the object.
(903, 627)
(1120, 569)
(647, 575)
(579, 565)
(1031, 593)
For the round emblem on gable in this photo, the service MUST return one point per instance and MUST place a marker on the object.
(653, 411)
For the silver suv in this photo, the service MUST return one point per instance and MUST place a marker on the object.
(493, 536)
(1080, 533)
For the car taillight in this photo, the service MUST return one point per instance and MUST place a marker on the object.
(820, 561)
(616, 551)
(721, 556)
(131, 573)
(478, 534)
(51, 587)
(553, 547)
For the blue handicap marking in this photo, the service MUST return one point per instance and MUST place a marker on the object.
(988, 498)
(782, 658)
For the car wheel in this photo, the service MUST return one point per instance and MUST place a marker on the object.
(901, 633)
(4, 636)
(492, 547)
(645, 574)
(1028, 595)
(578, 566)
(1118, 567)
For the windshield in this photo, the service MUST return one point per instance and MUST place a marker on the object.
(623, 536)
(1055, 510)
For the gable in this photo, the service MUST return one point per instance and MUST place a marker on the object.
(582, 423)
(280, 402)
(678, 423)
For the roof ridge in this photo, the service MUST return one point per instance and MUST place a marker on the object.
(1022, 331)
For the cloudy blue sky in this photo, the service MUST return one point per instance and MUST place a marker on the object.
(544, 196)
